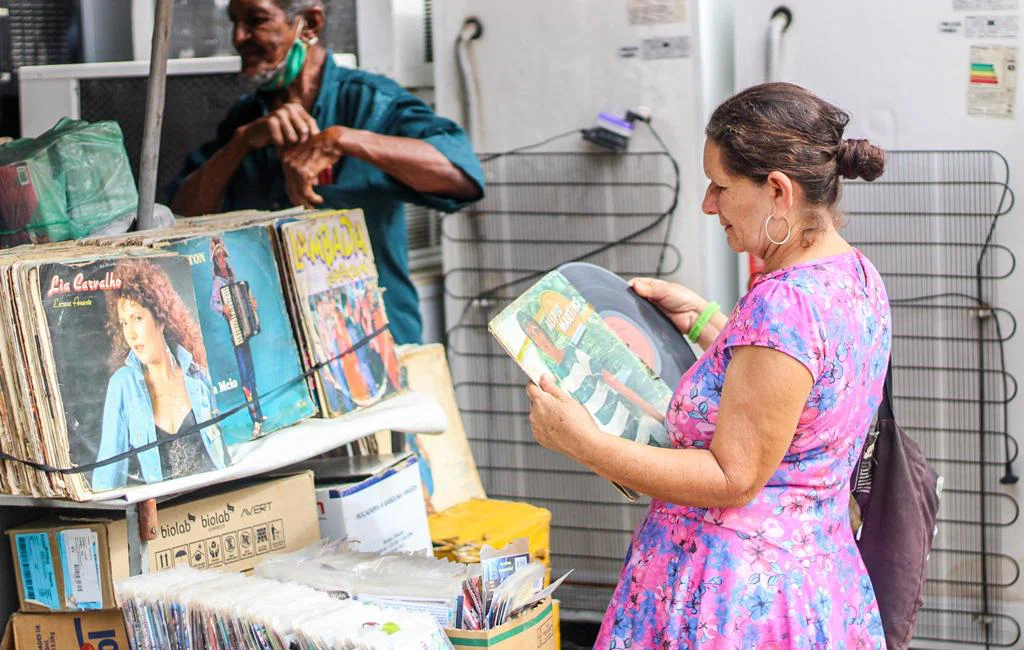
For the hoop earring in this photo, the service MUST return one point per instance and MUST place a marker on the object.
(789, 230)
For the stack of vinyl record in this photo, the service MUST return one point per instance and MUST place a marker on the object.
(155, 355)
(338, 305)
(189, 609)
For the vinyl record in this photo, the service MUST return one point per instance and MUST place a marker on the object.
(641, 325)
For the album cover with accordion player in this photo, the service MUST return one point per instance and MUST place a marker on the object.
(243, 318)
(250, 340)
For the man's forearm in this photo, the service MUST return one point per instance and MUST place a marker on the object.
(413, 162)
(203, 190)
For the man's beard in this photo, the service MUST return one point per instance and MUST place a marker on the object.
(260, 78)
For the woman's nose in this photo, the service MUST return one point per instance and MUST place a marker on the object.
(710, 204)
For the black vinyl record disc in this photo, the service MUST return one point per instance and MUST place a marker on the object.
(641, 325)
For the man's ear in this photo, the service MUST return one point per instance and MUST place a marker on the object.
(315, 19)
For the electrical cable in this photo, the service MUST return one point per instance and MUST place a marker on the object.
(677, 183)
(195, 428)
(528, 147)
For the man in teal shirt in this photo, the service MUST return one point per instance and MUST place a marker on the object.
(316, 134)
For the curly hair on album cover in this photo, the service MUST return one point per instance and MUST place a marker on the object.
(149, 286)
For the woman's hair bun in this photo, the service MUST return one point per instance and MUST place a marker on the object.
(860, 159)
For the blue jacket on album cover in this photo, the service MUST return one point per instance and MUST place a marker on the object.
(128, 422)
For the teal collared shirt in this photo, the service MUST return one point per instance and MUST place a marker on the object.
(369, 102)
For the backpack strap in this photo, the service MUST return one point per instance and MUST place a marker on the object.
(863, 473)
(885, 410)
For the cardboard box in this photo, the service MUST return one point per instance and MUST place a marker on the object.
(63, 565)
(534, 630)
(97, 630)
(461, 532)
(377, 500)
(447, 468)
(556, 618)
(71, 565)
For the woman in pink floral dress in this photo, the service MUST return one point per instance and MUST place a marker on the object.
(748, 542)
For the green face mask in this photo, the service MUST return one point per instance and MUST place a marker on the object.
(290, 67)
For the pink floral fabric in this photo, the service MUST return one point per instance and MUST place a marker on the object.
(782, 572)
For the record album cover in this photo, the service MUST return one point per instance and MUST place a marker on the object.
(553, 329)
(250, 343)
(341, 306)
(132, 367)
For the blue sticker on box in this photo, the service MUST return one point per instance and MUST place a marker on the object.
(38, 580)
(80, 564)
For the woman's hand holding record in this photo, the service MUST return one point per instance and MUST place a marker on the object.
(650, 328)
(681, 305)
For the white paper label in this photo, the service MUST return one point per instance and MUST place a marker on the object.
(383, 515)
(80, 547)
(992, 26)
(656, 12)
(438, 609)
(670, 47)
(985, 5)
(992, 81)
(950, 26)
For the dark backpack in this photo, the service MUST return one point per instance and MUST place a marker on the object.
(898, 495)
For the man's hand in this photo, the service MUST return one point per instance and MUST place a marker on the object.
(303, 163)
(286, 126)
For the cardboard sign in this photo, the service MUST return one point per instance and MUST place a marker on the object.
(384, 512)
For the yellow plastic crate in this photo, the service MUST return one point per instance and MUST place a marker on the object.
(556, 619)
(461, 531)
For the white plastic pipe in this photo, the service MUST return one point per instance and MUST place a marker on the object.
(471, 118)
(778, 24)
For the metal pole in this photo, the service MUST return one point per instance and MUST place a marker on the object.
(138, 547)
(154, 113)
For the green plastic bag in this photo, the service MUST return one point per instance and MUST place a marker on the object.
(66, 184)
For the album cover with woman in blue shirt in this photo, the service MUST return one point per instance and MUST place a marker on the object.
(132, 369)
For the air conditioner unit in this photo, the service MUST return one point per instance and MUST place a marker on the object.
(50, 32)
(395, 40)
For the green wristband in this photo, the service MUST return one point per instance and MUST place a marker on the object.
(702, 321)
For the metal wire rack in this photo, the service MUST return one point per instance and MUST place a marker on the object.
(929, 225)
(40, 32)
(195, 105)
(35, 32)
(542, 210)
